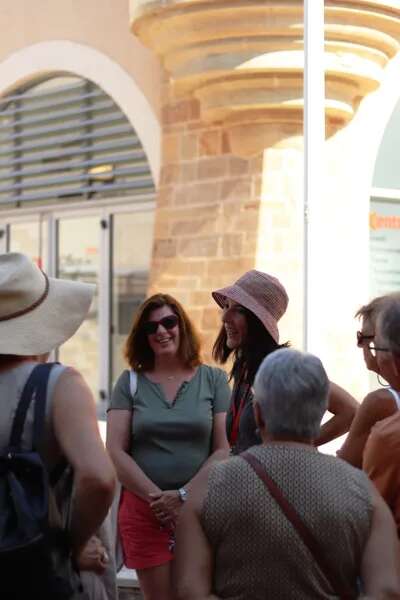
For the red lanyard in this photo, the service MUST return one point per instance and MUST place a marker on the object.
(237, 413)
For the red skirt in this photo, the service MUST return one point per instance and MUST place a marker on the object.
(145, 543)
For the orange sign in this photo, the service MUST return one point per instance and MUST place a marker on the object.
(377, 221)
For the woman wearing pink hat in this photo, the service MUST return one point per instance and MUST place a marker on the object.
(252, 307)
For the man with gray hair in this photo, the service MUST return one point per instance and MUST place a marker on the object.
(381, 458)
(283, 520)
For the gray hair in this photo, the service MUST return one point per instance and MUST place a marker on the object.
(291, 389)
(388, 323)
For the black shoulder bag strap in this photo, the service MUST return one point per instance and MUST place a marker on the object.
(304, 532)
(35, 388)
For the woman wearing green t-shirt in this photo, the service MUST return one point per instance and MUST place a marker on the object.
(160, 438)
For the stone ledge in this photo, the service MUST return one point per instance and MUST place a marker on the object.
(244, 60)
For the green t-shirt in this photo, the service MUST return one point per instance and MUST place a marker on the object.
(170, 442)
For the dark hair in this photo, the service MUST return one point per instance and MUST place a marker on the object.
(8, 359)
(257, 345)
(137, 349)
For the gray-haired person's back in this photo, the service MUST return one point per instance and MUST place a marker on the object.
(258, 554)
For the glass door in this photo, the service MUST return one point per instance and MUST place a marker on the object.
(132, 237)
(78, 259)
(31, 238)
(108, 246)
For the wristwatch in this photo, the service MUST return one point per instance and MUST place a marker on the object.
(182, 494)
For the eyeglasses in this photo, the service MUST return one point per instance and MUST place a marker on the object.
(151, 327)
(361, 337)
(375, 349)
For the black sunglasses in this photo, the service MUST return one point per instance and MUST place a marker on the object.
(151, 327)
(361, 337)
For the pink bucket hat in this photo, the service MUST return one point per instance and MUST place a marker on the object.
(262, 294)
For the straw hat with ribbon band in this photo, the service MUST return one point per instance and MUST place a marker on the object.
(262, 294)
(37, 313)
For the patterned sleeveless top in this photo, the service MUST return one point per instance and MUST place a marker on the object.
(258, 554)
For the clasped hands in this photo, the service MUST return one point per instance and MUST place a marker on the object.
(93, 557)
(165, 506)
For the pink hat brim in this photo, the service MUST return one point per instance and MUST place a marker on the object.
(237, 294)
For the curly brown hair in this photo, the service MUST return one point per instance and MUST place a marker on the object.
(137, 350)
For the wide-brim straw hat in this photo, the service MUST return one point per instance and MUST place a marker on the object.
(262, 294)
(37, 313)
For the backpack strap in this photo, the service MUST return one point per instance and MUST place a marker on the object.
(339, 588)
(133, 382)
(35, 388)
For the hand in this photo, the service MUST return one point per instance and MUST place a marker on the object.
(93, 557)
(165, 506)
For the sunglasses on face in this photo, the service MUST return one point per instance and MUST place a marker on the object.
(361, 338)
(151, 327)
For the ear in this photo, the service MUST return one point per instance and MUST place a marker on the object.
(258, 416)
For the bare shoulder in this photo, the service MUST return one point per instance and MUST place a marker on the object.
(380, 404)
(73, 399)
(377, 396)
(70, 374)
(71, 381)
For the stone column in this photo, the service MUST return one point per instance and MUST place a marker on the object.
(230, 196)
(207, 213)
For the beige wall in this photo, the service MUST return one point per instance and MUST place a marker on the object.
(207, 214)
(100, 24)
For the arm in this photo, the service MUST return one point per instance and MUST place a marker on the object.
(343, 407)
(222, 397)
(75, 427)
(220, 445)
(368, 413)
(380, 567)
(119, 423)
(381, 461)
(193, 564)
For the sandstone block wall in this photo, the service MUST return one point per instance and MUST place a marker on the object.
(207, 214)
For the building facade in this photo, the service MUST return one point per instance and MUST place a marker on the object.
(182, 165)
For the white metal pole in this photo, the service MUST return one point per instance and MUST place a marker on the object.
(104, 312)
(314, 137)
